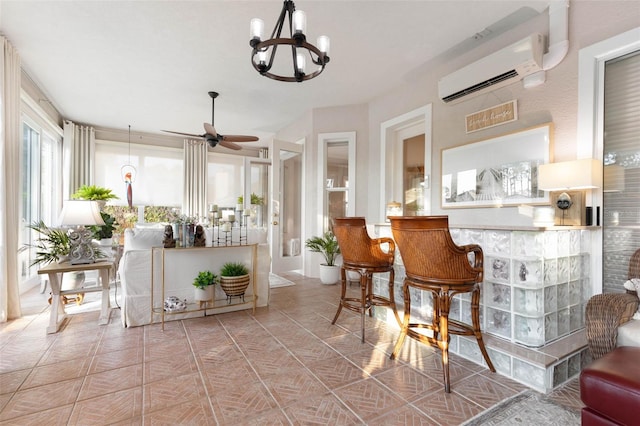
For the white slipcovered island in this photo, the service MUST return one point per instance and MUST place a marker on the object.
(180, 266)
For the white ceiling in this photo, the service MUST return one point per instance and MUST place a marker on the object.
(150, 64)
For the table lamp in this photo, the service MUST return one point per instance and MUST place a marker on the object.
(581, 174)
(78, 214)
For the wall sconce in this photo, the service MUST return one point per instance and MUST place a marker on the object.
(562, 178)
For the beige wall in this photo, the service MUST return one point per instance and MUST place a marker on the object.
(555, 101)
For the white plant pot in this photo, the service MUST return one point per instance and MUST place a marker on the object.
(329, 274)
(203, 294)
(106, 242)
(353, 276)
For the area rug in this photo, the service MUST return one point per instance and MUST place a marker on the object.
(278, 281)
(528, 408)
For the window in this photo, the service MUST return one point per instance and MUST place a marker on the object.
(159, 178)
(41, 184)
(337, 175)
(621, 186)
(225, 180)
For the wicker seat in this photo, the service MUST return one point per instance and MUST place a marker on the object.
(434, 263)
(363, 255)
(604, 313)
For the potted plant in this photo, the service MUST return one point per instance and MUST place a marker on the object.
(53, 245)
(104, 233)
(203, 284)
(327, 245)
(234, 279)
(94, 193)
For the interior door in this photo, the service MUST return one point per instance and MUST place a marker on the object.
(285, 230)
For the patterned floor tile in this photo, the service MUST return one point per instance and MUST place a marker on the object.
(54, 416)
(120, 343)
(116, 359)
(482, 390)
(111, 381)
(10, 382)
(403, 416)
(272, 368)
(372, 361)
(368, 398)
(196, 412)
(166, 368)
(115, 407)
(239, 401)
(232, 373)
(447, 408)
(409, 383)
(41, 398)
(337, 372)
(293, 384)
(348, 343)
(60, 371)
(324, 409)
(60, 353)
(177, 390)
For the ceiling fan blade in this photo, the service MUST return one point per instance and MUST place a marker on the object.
(210, 129)
(229, 145)
(238, 138)
(193, 135)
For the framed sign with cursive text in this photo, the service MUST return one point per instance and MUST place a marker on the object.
(490, 117)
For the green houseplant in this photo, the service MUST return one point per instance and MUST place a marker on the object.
(234, 279)
(203, 284)
(104, 232)
(327, 245)
(93, 193)
(51, 245)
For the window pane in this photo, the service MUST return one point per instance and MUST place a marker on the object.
(225, 180)
(159, 173)
(621, 207)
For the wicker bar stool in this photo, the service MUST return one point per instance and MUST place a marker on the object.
(363, 255)
(434, 263)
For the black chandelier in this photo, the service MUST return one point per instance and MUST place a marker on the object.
(264, 52)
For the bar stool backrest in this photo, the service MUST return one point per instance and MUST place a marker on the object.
(430, 254)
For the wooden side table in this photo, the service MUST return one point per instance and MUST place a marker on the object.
(55, 271)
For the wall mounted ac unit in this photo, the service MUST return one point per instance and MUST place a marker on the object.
(499, 69)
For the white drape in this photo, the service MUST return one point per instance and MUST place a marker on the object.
(194, 199)
(9, 181)
(78, 146)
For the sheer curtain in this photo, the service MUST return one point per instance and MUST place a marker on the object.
(194, 201)
(79, 146)
(9, 182)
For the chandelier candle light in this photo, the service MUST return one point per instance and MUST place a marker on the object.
(264, 51)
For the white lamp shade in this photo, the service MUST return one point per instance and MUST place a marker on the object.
(80, 212)
(585, 173)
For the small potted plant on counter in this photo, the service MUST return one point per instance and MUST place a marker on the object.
(203, 284)
(234, 279)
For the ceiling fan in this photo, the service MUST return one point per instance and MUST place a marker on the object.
(214, 138)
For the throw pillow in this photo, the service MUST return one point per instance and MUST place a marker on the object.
(634, 285)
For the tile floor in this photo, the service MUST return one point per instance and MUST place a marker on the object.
(285, 365)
